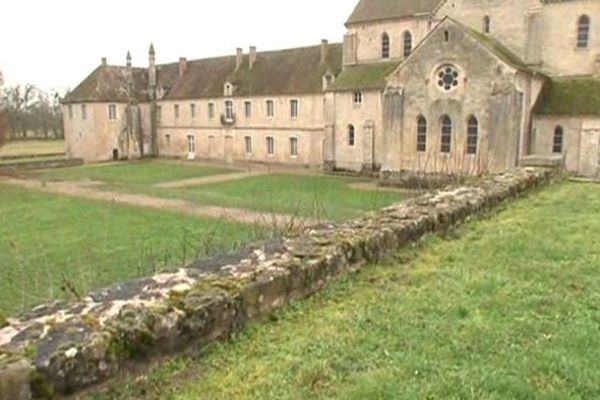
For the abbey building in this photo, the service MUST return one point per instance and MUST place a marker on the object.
(444, 86)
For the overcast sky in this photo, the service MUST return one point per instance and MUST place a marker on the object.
(56, 44)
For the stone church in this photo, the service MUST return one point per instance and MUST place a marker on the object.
(432, 86)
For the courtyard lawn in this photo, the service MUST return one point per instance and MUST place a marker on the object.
(47, 240)
(32, 147)
(142, 172)
(317, 197)
(501, 308)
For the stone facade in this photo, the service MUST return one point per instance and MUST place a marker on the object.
(62, 348)
(518, 47)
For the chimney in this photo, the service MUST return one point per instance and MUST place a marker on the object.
(183, 66)
(128, 59)
(151, 66)
(239, 58)
(103, 62)
(252, 56)
(324, 45)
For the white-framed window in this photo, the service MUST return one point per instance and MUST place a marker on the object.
(112, 112)
(270, 108)
(357, 97)
(351, 135)
(168, 140)
(211, 110)
(248, 109)
(176, 111)
(83, 111)
(294, 147)
(270, 145)
(229, 114)
(193, 110)
(248, 143)
(70, 111)
(294, 108)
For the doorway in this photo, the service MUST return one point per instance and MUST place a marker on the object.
(191, 147)
(115, 155)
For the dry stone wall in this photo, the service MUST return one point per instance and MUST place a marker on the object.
(64, 347)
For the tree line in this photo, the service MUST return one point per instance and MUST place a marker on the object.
(27, 111)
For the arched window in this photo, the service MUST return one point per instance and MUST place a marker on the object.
(351, 135)
(472, 135)
(557, 146)
(486, 24)
(421, 134)
(385, 46)
(407, 43)
(583, 32)
(446, 134)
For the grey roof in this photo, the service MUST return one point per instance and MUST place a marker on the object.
(375, 10)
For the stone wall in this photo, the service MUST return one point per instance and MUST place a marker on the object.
(64, 347)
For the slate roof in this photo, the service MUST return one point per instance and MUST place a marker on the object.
(284, 72)
(376, 10)
(109, 84)
(570, 97)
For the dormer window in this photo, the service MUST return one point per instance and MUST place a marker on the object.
(228, 89)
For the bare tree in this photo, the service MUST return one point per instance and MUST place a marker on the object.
(3, 128)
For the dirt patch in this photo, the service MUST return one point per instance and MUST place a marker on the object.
(207, 180)
(373, 187)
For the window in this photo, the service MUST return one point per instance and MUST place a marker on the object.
(270, 145)
(168, 140)
(83, 111)
(70, 109)
(583, 32)
(176, 111)
(270, 108)
(385, 46)
(421, 134)
(486, 24)
(229, 110)
(472, 135)
(294, 147)
(446, 134)
(358, 97)
(112, 112)
(248, 109)
(447, 78)
(446, 36)
(193, 110)
(351, 135)
(294, 108)
(158, 114)
(407, 43)
(211, 110)
(557, 147)
(248, 142)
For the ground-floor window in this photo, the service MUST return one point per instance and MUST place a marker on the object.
(557, 147)
(191, 144)
(294, 147)
(421, 134)
(248, 142)
(446, 134)
(472, 135)
(270, 145)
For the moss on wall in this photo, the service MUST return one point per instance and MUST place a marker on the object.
(571, 97)
(369, 76)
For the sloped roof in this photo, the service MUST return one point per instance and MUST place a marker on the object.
(364, 76)
(570, 97)
(292, 71)
(110, 84)
(375, 10)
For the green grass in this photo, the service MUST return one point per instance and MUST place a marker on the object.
(32, 147)
(501, 308)
(43, 237)
(319, 197)
(142, 172)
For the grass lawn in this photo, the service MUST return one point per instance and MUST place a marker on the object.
(142, 173)
(501, 308)
(45, 237)
(32, 147)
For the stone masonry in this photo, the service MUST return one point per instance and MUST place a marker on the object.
(58, 349)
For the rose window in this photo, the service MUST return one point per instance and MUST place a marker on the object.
(447, 78)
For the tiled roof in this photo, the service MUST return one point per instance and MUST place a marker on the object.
(375, 10)
(110, 84)
(570, 97)
(364, 76)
